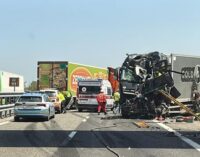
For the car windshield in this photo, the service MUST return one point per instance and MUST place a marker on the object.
(30, 99)
(89, 89)
(128, 75)
(50, 93)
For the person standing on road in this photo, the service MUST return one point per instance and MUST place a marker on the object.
(101, 99)
(67, 94)
(61, 99)
(195, 97)
(117, 106)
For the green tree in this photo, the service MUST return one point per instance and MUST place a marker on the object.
(32, 86)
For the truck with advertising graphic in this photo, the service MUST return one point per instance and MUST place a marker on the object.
(65, 75)
(189, 66)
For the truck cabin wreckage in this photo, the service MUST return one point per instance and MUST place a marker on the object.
(141, 76)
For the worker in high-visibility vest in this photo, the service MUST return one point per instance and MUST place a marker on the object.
(117, 107)
(61, 99)
(68, 96)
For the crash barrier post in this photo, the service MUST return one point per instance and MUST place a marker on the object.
(179, 104)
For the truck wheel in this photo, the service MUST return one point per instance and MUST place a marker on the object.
(80, 109)
(125, 114)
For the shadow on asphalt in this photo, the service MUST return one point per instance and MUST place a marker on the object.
(92, 139)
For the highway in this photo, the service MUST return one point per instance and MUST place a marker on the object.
(87, 134)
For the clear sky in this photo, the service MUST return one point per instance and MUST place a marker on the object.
(93, 32)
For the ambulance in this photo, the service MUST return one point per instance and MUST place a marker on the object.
(87, 92)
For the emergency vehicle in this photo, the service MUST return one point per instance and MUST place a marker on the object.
(87, 92)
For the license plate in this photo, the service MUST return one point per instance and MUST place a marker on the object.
(29, 107)
(83, 100)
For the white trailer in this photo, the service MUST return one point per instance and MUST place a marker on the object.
(185, 82)
(11, 83)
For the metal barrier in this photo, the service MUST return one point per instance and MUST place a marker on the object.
(6, 110)
(7, 102)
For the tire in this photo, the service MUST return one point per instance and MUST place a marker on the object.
(80, 109)
(59, 111)
(53, 116)
(46, 118)
(125, 114)
(16, 119)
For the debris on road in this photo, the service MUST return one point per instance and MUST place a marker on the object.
(188, 119)
(141, 124)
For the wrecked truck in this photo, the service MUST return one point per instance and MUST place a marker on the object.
(141, 76)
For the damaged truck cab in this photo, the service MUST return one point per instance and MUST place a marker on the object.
(140, 78)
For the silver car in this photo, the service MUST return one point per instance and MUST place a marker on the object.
(33, 105)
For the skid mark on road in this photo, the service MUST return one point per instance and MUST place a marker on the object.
(183, 138)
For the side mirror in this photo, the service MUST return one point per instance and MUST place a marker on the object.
(116, 73)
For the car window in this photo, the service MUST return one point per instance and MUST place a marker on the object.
(46, 98)
(51, 93)
(89, 89)
(30, 99)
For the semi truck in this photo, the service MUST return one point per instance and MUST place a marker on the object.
(141, 76)
(65, 75)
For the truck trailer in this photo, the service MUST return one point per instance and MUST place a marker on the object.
(65, 75)
(189, 66)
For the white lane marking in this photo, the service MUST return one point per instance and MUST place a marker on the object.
(87, 117)
(84, 120)
(70, 137)
(185, 139)
(3, 123)
(72, 134)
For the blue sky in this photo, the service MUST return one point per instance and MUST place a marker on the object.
(93, 32)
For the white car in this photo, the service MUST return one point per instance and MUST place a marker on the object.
(34, 105)
(53, 93)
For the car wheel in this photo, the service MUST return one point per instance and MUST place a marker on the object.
(80, 109)
(53, 116)
(16, 119)
(46, 118)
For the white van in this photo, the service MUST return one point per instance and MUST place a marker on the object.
(87, 92)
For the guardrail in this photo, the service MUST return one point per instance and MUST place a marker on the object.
(7, 101)
(6, 110)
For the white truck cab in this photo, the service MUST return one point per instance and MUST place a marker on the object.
(88, 90)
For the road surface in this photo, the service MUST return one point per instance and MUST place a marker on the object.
(87, 134)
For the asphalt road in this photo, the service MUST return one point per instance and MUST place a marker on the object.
(89, 135)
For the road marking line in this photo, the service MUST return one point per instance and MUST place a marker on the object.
(3, 123)
(87, 117)
(72, 134)
(183, 138)
(84, 120)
